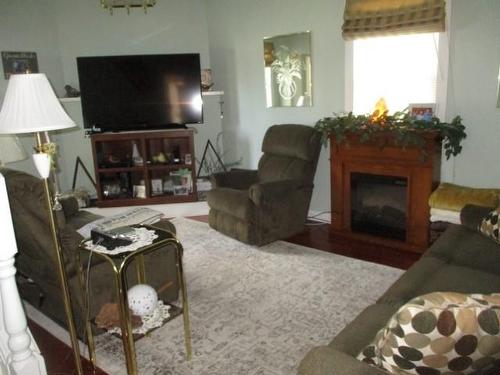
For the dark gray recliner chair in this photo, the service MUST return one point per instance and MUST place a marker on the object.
(271, 203)
(35, 260)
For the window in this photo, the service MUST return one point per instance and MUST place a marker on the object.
(402, 69)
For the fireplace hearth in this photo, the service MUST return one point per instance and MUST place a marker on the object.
(379, 195)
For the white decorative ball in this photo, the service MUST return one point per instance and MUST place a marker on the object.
(142, 299)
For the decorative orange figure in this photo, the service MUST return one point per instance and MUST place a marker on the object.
(380, 112)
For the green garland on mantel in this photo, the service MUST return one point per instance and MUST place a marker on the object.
(403, 128)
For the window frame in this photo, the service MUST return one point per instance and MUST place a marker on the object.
(442, 70)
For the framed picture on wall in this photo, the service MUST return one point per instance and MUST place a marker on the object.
(422, 111)
(19, 63)
(287, 70)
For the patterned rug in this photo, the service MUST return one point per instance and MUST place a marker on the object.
(253, 310)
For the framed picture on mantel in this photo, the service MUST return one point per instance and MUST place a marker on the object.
(422, 111)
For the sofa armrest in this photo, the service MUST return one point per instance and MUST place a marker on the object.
(165, 224)
(471, 215)
(325, 360)
(275, 191)
(69, 205)
(236, 179)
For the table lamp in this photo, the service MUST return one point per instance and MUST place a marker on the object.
(11, 150)
(31, 106)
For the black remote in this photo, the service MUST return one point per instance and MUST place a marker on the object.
(113, 238)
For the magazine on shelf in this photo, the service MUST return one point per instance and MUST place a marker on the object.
(137, 215)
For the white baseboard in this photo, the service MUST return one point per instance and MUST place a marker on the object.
(323, 216)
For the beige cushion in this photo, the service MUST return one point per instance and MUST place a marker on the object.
(455, 197)
(439, 333)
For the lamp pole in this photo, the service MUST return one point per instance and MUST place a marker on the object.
(60, 265)
(30, 105)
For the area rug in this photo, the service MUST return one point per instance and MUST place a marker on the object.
(253, 310)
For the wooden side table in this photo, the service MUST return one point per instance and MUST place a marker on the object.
(166, 241)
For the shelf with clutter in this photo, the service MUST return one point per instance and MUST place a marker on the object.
(136, 168)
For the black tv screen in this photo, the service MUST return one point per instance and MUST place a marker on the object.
(140, 91)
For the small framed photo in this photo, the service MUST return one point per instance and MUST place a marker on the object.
(156, 186)
(139, 191)
(19, 63)
(422, 111)
(187, 159)
(181, 190)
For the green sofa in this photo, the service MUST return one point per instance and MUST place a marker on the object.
(461, 260)
(37, 276)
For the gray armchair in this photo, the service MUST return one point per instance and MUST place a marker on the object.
(271, 203)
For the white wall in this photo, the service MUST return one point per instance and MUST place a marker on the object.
(236, 29)
(29, 26)
(472, 91)
(61, 30)
(85, 29)
(236, 32)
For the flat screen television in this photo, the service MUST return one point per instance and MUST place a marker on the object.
(137, 92)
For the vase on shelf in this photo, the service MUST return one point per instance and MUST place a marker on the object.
(136, 156)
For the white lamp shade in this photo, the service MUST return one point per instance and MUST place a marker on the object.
(11, 149)
(30, 105)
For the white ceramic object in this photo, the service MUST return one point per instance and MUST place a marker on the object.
(142, 299)
(42, 164)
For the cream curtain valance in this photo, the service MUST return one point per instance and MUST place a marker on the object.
(363, 18)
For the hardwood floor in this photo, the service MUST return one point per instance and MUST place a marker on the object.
(58, 356)
(321, 237)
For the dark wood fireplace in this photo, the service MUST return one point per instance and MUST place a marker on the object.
(380, 194)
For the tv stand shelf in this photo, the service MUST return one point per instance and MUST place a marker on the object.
(139, 168)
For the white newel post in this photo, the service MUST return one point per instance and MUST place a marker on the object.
(19, 353)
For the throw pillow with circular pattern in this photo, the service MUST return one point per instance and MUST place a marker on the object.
(489, 226)
(439, 333)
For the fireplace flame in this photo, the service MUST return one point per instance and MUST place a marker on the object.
(380, 111)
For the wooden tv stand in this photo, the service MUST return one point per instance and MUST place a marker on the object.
(166, 173)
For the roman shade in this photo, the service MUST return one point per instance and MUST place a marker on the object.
(368, 18)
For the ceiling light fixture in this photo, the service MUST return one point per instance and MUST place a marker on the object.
(127, 4)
